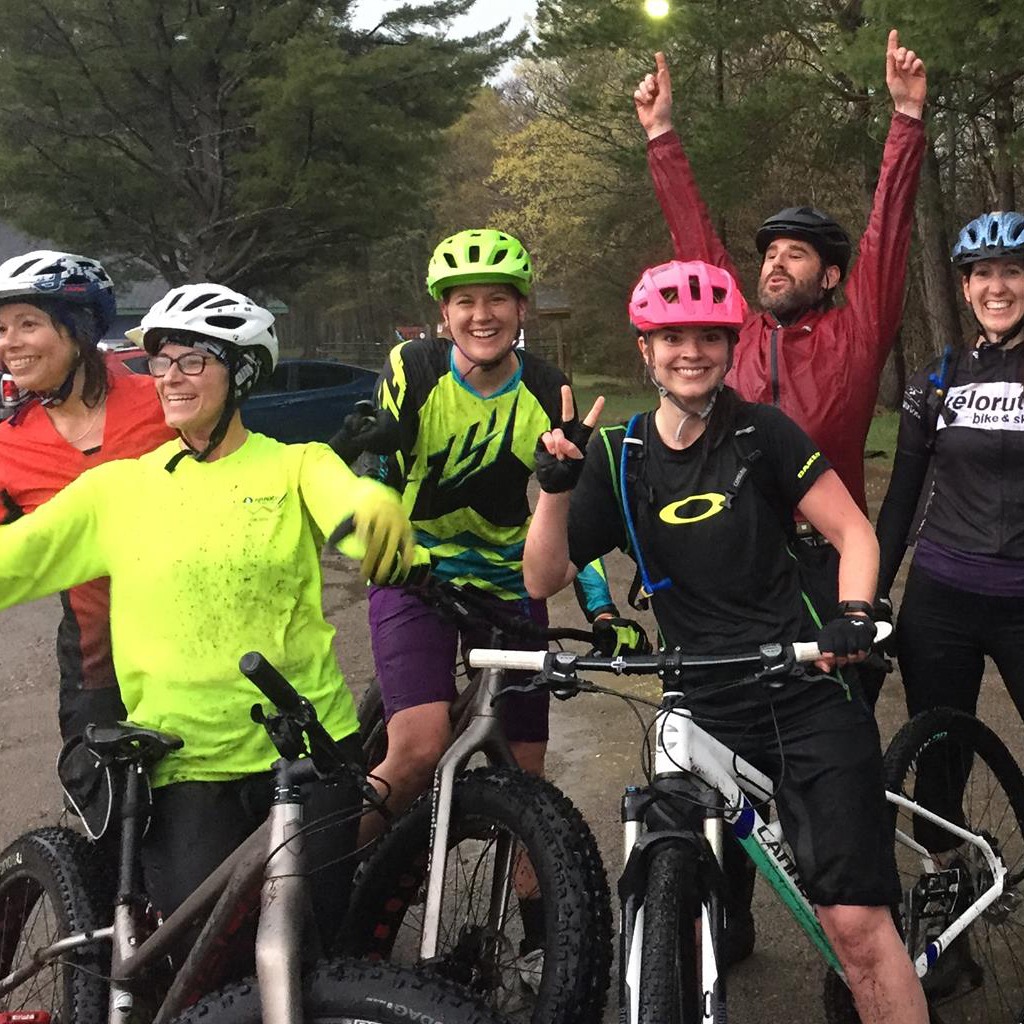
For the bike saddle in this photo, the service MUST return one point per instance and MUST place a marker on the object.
(130, 743)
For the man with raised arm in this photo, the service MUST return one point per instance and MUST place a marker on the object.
(819, 363)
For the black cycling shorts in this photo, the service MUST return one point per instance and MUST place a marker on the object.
(822, 751)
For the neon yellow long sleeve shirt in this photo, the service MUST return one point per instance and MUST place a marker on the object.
(206, 563)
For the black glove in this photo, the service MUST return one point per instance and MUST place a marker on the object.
(557, 477)
(613, 637)
(846, 636)
(366, 429)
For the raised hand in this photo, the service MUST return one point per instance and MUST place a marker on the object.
(905, 77)
(653, 99)
(560, 451)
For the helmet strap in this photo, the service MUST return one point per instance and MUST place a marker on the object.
(59, 395)
(1001, 339)
(220, 429)
(664, 392)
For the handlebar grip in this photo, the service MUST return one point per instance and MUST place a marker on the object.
(525, 661)
(806, 652)
(810, 652)
(269, 681)
(346, 527)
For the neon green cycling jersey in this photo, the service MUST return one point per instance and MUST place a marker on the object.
(206, 563)
(465, 460)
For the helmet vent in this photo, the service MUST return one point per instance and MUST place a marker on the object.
(498, 255)
(474, 254)
(22, 268)
(670, 294)
(231, 323)
(450, 260)
(694, 287)
(718, 295)
(199, 300)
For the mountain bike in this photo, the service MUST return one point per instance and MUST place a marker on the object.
(956, 796)
(64, 961)
(451, 883)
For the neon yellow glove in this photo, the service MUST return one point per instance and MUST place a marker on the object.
(383, 531)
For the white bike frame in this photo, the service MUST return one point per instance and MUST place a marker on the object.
(682, 746)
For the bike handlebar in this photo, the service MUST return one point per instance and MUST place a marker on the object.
(668, 661)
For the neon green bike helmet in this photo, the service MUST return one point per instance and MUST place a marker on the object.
(482, 256)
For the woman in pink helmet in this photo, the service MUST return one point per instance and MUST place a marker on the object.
(701, 493)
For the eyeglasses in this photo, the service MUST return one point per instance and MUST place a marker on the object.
(191, 364)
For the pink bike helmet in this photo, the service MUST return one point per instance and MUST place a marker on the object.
(691, 294)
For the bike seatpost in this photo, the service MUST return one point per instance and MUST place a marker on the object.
(125, 937)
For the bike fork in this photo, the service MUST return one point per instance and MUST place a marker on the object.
(483, 733)
(712, 927)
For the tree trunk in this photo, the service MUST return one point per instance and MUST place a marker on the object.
(1006, 194)
(939, 284)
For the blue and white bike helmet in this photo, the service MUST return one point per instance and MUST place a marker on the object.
(76, 280)
(991, 236)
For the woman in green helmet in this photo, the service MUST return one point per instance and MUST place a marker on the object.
(461, 415)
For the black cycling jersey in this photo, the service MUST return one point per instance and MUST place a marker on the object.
(735, 584)
(975, 449)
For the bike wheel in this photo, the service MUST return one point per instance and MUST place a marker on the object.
(669, 989)
(373, 733)
(47, 893)
(956, 766)
(493, 807)
(352, 990)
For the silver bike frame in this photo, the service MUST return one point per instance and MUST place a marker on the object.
(485, 734)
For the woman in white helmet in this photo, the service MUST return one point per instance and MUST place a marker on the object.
(72, 414)
(234, 523)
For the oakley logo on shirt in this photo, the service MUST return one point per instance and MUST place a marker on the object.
(694, 509)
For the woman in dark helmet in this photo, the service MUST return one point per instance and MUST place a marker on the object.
(963, 419)
(230, 562)
(73, 414)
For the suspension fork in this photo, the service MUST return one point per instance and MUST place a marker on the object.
(483, 733)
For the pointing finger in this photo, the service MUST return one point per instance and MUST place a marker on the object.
(893, 42)
(594, 415)
(660, 63)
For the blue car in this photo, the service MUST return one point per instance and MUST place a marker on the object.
(304, 399)
(307, 399)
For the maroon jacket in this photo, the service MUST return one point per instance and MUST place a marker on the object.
(822, 371)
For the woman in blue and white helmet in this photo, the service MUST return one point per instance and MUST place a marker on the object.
(73, 414)
(963, 419)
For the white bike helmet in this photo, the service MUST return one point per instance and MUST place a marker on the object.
(225, 323)
(215, 312)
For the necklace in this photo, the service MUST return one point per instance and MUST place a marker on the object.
(90, 423)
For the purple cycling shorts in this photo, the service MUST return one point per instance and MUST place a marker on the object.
(415, 648)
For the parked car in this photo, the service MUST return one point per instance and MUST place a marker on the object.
(304, 399)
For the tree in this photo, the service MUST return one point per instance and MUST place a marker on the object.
(252, 142)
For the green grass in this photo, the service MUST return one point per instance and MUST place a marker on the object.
(882, 435)
(624, 396)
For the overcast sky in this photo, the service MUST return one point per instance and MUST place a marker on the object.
(485, 14)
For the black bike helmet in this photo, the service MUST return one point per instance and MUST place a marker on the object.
(809, 225)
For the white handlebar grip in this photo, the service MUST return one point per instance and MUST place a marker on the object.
(525, 661)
